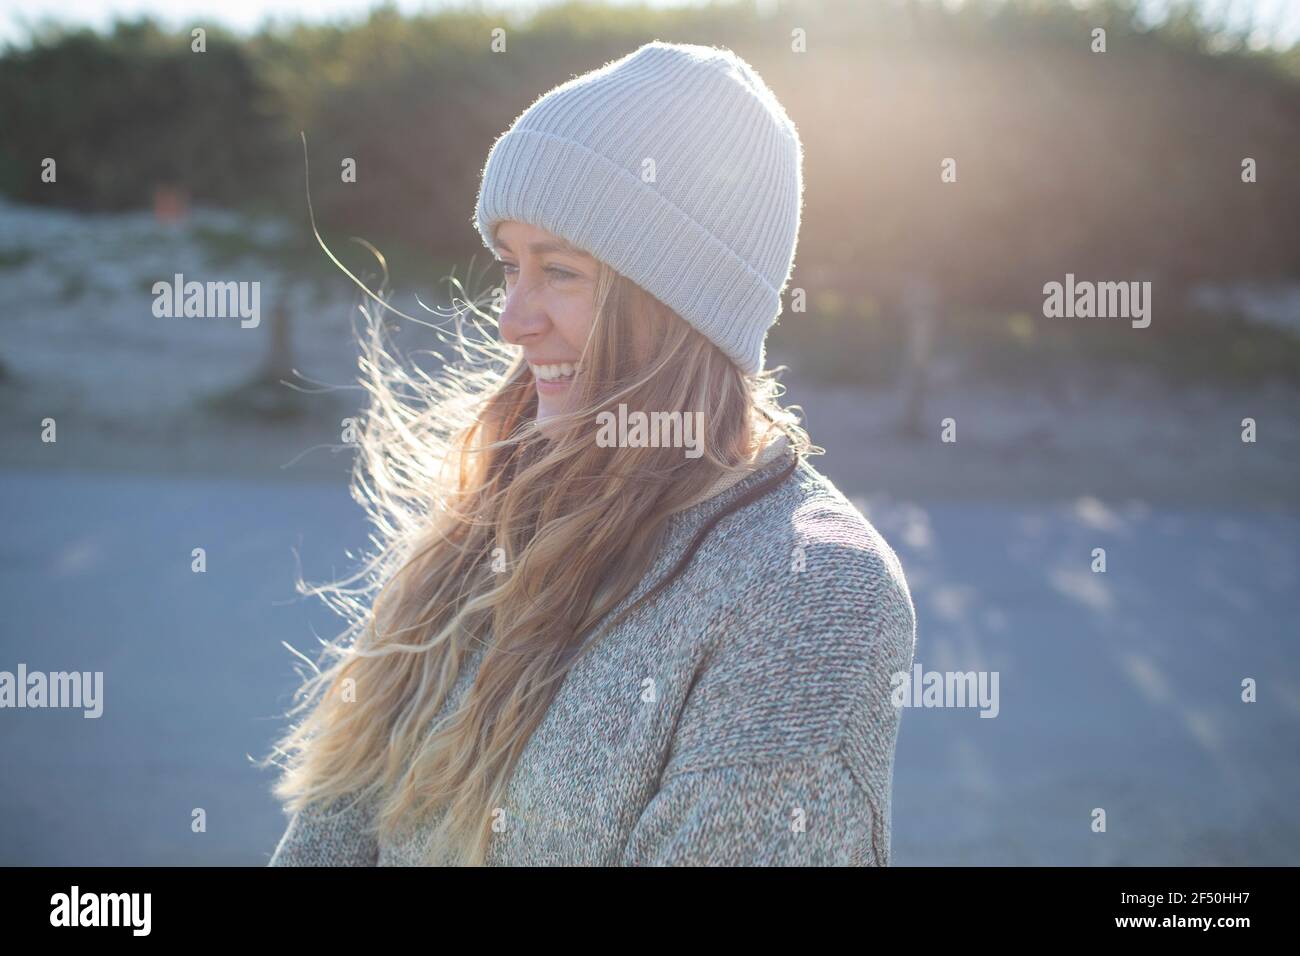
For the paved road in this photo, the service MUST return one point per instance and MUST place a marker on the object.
(1119, 691)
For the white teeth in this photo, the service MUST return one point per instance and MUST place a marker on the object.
(549, 373)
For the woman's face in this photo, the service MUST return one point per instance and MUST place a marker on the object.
(550, 307)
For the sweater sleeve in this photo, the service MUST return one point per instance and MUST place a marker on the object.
(786, 813)
(784, 749)
(335, 835)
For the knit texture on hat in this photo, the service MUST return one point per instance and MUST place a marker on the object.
(677, 167)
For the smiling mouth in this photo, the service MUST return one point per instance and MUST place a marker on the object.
(555, 374)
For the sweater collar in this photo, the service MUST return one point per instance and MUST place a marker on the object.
(765, 457)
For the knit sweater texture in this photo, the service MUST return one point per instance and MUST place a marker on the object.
(741, 718)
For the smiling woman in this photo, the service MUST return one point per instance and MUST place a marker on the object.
(569, 650)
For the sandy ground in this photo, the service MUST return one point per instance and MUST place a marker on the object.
(1119, 691)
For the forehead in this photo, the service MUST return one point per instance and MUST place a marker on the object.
(519, 236)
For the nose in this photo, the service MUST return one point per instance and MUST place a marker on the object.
(523, 318)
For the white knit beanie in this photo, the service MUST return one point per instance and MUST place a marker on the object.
(675, 166)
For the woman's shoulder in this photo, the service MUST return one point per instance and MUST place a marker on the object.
(807, 544)
(802, 572)
(811, 617)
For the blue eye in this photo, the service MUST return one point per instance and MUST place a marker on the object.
(555, 272)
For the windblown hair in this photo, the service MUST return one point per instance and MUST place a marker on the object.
(488, 532)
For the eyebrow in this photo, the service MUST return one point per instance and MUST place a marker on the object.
(544, 246)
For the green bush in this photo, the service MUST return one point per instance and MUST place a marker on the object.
(124, 113)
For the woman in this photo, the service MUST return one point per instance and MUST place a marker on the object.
(589, 637)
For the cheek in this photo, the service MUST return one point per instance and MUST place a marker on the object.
(574, 320)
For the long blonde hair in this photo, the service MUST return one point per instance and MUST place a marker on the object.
(487, 532)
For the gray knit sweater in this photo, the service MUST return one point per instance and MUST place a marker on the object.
(742, 717)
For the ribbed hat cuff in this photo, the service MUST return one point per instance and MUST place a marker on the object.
(570, 190)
